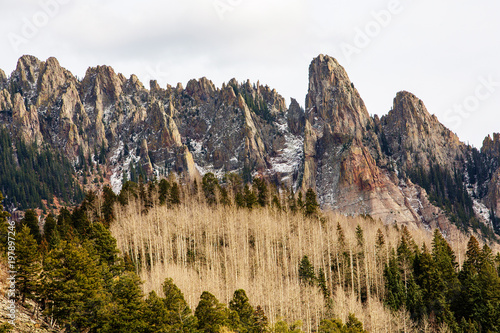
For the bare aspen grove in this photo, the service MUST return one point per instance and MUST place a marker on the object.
(222, 248)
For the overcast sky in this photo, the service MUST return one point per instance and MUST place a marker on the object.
(446, 52)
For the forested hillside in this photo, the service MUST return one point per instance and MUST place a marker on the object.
(30, 174)
(207, 257)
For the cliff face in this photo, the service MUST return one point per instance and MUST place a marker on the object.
(417, 138)
(338, 146)
(355, 163)
(239, 128)
(333, 100)
(491, 149)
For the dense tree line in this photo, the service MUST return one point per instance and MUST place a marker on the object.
(75, 275)
(480, 168)
(231, 190)
(448, 191)
(73, 271)
(428, 283)
(30, 174)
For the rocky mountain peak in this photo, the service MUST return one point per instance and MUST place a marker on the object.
(351, 160)
(25, 77)
(491, 145)
(27, 67)
(53, 80)
(102, 81)
(411, 109)
(201, 90)
(228, 94)
(155, 89)
(3, 79)
(296, 118)
(416, 137)
(333, 99)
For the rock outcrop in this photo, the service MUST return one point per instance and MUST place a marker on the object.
(25, 121)
(338, 162)
(296, 118)
(355, 163)
(332, 99)
(417, 138)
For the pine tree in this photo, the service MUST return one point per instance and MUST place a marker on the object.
(473, 255)
(126, 312)
(241, 305)
(180, 317)
(262, 191)
(104, 244)
(239, 199)
(275, 202)
(31, 221)
(322, 283)
(4, 226)
(300, 202)
(107, 206)
(164, 189)
(260, 321)
(72, 286)
(353, 325)
(468, 326)
(342, 260)
(487, 312)
(445, 260)
(306, 271)
(292, 203)
(427, 278)
(446, 279)
(156, 314)
(379, 243)
(175, 194)
(80, 219)
(331, 326)
(28, 264)
(250, 197)
(395, 290)
(311, 204)
(497, 261)
(360, 267)
(479, 298)
(470, 291)
(49, 228)
(211, 314)
(210, 186)
(224, 197)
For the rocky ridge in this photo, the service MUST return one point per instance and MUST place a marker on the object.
(356, 163)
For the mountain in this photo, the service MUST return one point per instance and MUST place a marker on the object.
(403, 167)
